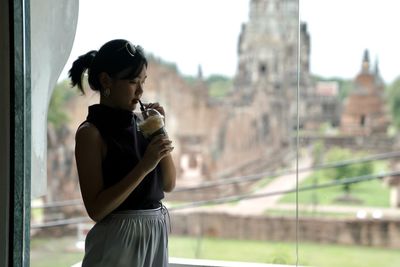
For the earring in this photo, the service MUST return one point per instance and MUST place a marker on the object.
(106, 92)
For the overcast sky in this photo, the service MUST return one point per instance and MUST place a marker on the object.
(205, 32)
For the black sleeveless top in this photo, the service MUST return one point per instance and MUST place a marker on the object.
(125, 147)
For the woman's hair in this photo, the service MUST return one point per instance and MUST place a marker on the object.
(118, 58)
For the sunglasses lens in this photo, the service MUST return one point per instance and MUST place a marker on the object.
(131, 49)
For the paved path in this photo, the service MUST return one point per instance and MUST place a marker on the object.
(257, 206)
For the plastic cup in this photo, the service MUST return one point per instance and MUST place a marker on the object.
(151, 123)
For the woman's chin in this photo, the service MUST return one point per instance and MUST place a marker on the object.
(132, 106)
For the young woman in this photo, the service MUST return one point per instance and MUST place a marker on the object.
(122, 175)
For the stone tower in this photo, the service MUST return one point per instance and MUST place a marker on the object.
(254, 132)
(268, 46)
(268, 64)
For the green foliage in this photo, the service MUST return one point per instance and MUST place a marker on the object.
(337, 154)
(370, 193)
(345, 87)
(57, 115)
(393, 95)
(219, 86)
(190, 79)
(317, 151)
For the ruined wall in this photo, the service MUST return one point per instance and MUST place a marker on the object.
(380, 233)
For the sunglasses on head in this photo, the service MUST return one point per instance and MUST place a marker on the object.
(131, 49)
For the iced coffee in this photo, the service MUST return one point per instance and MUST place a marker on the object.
(151, 123)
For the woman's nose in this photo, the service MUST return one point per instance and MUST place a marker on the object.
(139, 90)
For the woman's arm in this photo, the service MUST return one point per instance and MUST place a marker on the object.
(169, 173)
(99, 202)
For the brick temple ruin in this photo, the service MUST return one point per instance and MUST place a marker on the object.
(365, 111)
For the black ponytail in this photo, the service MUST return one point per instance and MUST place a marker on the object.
(79, 66)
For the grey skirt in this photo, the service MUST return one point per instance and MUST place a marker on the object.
(136, 238)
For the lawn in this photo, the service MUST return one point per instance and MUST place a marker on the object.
(54, 252)
(284, 253)
(371, 193)
(60, 252)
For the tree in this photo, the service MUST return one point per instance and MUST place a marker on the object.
(219, 85)
(393, 96)
(61, 94)
(337, 154)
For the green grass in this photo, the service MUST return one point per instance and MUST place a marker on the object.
(230, 250)
(370, 193)
(58, 252)
(320, 255)
(348, 256)
(52, 252)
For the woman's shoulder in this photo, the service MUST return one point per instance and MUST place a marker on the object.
(89, 138)
(87, 130)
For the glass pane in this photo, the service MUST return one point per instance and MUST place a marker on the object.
(349, 205)
(226, 73)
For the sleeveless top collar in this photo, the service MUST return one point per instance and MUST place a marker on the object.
(110, 117)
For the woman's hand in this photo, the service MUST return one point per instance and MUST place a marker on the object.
(159, 147)
(157, 107)
(165, 159)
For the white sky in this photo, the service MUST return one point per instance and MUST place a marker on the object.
(205, 32)
(342, 29)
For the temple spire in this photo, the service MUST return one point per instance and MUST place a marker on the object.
(199, 72)
(377, 74)
(376, 68)
(365, 62)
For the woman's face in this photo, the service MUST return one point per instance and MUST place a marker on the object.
(125, 93)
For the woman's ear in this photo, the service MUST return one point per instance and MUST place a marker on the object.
(105, 80)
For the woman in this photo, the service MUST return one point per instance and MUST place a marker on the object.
(122, 175)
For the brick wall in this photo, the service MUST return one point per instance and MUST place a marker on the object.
(380, 233)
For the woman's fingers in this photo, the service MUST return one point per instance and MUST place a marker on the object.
(162, 144)
(155, 106)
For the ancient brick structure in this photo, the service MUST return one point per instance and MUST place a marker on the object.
(257, 127)
(383, 232)
(249, 130)
(365, 112)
